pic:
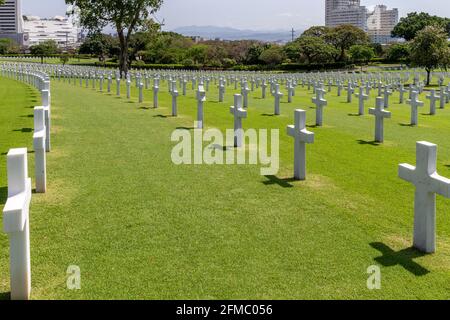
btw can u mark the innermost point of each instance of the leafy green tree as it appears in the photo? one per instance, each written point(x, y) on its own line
point(315, 49)
point(8, 46)
point(345, 36)
point(430, 49)
point(64, 58)
point(253, 53)
point(398, 52)
point(361, 53)
point(167, 47)
point(378, 49)
point(46, 48)
point(272, 56)
point(2, 2)
point(127, 16)
point(100, 45)
point(198, 54)
point(317, 31)
point(409, 26)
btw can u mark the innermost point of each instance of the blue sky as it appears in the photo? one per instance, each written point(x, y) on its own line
point(247, 14)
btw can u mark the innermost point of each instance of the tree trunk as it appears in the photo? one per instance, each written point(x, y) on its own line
point(428, 76)
point(123, 55)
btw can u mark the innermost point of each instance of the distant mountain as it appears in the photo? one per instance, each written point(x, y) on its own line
point(224, 33)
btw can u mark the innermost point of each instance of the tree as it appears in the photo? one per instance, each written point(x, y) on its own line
point(409, 26)
point(398, 52)
point(315, 49)
point(64, 58)
point(127, 16)
point(345, 36)
point(2, 2)
point(100, 45)
point(198, 53)
point(253, 54)
point(272, 56)
point(317, 31)
point(43, 49)
point(430, 50)
point(8, 46)
point(361, 53)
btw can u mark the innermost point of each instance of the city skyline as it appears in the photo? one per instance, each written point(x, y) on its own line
point(283, 14)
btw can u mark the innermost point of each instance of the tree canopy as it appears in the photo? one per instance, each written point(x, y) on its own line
point(127, 16)
point(430, 49)
point(409, 26)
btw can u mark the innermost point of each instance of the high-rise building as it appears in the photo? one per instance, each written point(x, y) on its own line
point(339, 12)
point(60, 29)
point(377, 23)
point(11, 22)
point(380, 24)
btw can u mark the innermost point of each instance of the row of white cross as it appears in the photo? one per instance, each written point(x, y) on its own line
point(16, 222)
point(17, 208)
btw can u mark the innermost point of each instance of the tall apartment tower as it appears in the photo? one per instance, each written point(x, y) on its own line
point(11, 21)
point(338, 12)
point(380, 24)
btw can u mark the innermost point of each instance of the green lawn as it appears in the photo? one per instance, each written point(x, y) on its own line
point(140, 227)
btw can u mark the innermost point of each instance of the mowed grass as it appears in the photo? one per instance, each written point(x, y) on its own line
point(140, 227)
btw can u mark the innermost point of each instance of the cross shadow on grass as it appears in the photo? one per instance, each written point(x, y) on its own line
point(407, 125)
point(371, 143)
point(282, 182)
point(268, 115)
point(354, 115)
point(185, 128)
point(28, 116)
point(24, 130)
point(404, 258)
point(4, 296)
point(3, 195)
point(162, 116)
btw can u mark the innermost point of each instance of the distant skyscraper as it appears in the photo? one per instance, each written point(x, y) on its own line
point(339, 12)
point(378, 23)
point(11, 22)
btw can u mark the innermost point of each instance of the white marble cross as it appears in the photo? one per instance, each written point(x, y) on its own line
point(402, 92)
point(174, 94)
point(118, 86)
point(350, 91)
point(245, 91)
point(302, 136)
point(414, 103)
point(40, 150)
point(361, 98)
point(221, 90)
point(428, 183)
point(320, 103)
point(155, 95)
point(263, 89)
point(128, 83)
point(141, 91)
point(239, 113)
point(379, 114)
point(433, 98)
point(277, 95)
point(16, 223)
point(290, 89)
point(442, 100)
point(386, 93)
point(201, 98)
